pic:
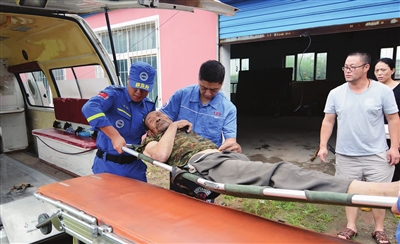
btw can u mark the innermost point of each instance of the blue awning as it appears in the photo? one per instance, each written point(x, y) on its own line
point(257, 17)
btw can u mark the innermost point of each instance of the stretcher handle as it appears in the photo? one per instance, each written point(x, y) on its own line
point(145, 158)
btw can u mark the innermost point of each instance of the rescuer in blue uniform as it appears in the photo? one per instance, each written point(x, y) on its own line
point(213, 116)
point(117, 114)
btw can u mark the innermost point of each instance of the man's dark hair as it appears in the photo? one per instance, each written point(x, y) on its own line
point(212, 71)
point(144, 122)
point(365, 57)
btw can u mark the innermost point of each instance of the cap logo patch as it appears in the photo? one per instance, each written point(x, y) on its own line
point(143, 76)
point(141, 86)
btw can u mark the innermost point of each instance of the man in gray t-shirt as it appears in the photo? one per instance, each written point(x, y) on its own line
point(359, 106)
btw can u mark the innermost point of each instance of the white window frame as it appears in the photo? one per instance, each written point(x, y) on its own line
point(132, 54)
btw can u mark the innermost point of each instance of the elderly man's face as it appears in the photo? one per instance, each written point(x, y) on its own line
point(157, 122)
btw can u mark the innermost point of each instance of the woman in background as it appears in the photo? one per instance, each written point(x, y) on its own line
point(384, 72)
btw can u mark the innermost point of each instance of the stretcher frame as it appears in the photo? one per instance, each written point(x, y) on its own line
point(262, 192)
point(76, 223)
point(106, 208)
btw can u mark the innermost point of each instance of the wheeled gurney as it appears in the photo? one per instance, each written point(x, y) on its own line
point(106, 208)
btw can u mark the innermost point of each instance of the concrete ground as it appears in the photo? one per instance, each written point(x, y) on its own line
point(293, 139)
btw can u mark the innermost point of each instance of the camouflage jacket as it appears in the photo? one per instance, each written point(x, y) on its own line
point(185, 146)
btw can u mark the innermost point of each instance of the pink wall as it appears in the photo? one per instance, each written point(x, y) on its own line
point(186, 40)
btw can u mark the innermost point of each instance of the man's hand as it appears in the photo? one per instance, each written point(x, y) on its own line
point(323, 152)
point(394, 208)
point(182, 124)
point(116, 139)
point(118, 142)
point(230, 144)
point(393, 156)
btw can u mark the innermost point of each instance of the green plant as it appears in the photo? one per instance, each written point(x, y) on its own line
point(228, 199)
point(305, 215)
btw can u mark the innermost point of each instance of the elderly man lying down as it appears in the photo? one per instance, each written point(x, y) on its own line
point(175, 144)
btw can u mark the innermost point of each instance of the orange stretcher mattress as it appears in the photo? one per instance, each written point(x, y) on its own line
point(144, 213)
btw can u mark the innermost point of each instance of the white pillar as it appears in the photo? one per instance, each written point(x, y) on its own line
point(224, 58)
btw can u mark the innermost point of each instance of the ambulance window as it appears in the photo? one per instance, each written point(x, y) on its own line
point(37, 90)
point(31, 86)
point(81, 81)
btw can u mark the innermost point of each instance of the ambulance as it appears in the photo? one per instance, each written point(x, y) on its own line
point(51, 63)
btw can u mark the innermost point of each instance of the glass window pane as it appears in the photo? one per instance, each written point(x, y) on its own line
point(106, 42)
point(387, 52)
point(305, 67)
point(123, 70)
point(80, 82)
point(120, 41)
point(37, 90)
point(245, 64)
point(235, 68)
point(321, 66)
point(142, 37)
point(234, 73)
point(89, 82)
point(289, 63)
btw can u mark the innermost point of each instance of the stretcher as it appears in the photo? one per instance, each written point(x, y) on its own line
point(106, 208)
point(262, 192)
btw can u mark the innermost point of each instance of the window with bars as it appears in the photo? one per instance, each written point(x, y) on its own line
point(133, 41)
point(307, 66)
point(236, 65)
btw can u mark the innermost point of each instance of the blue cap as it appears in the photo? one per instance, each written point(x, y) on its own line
point(141, 76)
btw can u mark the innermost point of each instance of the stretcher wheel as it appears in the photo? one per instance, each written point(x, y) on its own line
point(46, 229)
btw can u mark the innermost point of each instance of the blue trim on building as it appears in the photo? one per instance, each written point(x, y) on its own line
point(269, 16)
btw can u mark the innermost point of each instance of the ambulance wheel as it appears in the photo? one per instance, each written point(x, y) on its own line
point(46, 229)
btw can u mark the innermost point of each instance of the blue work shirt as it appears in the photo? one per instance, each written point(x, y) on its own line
point(114, 107)
point(215, 120)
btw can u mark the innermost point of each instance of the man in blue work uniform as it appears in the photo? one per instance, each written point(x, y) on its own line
point(213, 115)
point(117, 114)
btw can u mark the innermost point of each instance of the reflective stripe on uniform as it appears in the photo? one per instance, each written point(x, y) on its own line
point(119, 109)
point(95, 116)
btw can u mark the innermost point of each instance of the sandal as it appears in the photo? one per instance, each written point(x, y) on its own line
point(347, 234)
point(380, 237)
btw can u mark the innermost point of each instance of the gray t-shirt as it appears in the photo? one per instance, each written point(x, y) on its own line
point(360, 120)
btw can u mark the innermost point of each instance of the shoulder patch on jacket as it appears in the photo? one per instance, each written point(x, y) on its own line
point(103, 95)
